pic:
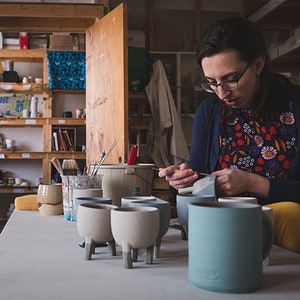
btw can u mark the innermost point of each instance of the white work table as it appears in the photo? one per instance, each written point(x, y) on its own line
point(40, 259)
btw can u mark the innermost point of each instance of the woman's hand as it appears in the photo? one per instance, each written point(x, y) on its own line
point(232, 182)
point(179, 177)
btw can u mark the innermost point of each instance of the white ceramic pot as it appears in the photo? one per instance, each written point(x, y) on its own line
point(82, 200)
point(135, 228)
point(126, 200)
point(94, 226)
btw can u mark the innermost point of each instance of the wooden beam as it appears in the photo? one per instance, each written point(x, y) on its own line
point(51, 10)
point(265, 10)
point(41, 17)
point(78, 25)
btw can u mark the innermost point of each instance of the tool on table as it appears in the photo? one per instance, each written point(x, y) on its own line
point(178, 170)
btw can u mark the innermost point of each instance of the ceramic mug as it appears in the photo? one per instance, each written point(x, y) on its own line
point(227, 245)
point(182, 202)
point(269, 212)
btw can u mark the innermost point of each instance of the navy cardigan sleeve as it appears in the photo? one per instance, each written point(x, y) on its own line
point(205, 149)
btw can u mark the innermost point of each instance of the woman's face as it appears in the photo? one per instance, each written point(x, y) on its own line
point(228, 66)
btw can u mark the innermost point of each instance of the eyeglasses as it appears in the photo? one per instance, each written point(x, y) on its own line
point(228, 85)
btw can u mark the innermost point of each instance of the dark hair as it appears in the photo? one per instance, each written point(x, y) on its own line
point(241, 35)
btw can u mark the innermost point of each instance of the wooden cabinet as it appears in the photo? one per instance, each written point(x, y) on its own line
point(107, 86)
point(34, 143)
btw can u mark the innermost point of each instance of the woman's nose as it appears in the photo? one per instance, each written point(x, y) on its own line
point(222, 93)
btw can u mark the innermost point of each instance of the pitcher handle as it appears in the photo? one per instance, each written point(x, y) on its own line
point(267, 235)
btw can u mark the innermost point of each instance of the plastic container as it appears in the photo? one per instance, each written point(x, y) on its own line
point(120, 180)
point(75, 182)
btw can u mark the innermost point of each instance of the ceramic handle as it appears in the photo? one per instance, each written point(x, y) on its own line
point(267, 235)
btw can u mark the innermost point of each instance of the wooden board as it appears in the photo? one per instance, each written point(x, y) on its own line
point(107, 87)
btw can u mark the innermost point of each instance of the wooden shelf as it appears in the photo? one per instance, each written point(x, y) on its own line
point(22, 88)
point(17, 122)
point(22, 155)
point(46, 122)
point(18, 189)
point(67, 121)
point(75, 92)
point(67, 154)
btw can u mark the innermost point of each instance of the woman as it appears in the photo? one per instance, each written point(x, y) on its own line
point(247, 133)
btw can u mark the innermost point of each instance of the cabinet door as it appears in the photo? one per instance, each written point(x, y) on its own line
point(107, 86)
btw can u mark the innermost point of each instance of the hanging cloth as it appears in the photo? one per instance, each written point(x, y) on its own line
point(169, 144)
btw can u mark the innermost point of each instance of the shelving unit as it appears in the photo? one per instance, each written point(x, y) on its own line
point(36, 135)
point(282, 15)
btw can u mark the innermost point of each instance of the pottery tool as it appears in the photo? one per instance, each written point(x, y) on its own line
point(70, 167)
point(178, 170)
point(57, 165)
point(204, 186)
point(104, 155)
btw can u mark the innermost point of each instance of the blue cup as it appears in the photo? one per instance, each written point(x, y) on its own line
point(227, 245)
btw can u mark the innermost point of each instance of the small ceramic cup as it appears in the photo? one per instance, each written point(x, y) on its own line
point(50, 199)
point(164, 219)
point(182, 202)
point(94, 226)
point(135, 228)
point(82, 200)
point(49, 193)
point(126, 200)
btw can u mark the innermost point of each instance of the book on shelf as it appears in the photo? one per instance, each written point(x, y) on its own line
point(62, 144)
point(55, 141)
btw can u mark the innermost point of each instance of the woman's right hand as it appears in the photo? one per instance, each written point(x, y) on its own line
point(179, 176)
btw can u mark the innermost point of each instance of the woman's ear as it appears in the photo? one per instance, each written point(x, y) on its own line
point(259, 64)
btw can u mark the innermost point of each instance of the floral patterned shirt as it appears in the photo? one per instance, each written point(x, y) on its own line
point(261, 145)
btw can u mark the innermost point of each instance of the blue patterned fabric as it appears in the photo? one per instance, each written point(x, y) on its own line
point(66, 70)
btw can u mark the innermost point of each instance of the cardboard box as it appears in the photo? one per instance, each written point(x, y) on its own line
point(23, 40)
point(62, 42)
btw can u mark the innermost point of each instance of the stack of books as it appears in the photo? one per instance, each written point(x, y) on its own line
point(64, 139)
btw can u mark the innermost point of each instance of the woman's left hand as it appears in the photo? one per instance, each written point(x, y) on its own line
point(231, 182)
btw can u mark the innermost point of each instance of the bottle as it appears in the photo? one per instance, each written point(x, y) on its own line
point(136, 191)
point(33, 107)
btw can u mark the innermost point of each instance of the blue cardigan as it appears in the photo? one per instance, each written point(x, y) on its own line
point(205, 149)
